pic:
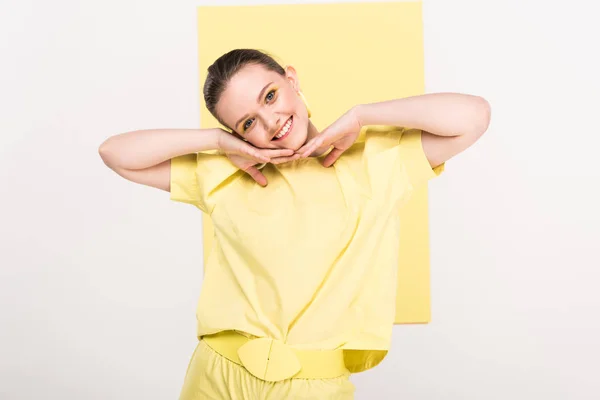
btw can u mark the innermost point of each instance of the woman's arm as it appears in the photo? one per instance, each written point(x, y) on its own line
point(450, 122)
point(142, 149)
point(144, 156)
point(441, 114)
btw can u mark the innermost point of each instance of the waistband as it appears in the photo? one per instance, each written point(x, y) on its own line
point(272, 360)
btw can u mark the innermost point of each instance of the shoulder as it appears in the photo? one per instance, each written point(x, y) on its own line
point(379, 138)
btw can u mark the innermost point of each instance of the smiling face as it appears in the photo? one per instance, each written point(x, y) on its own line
point(264, 108)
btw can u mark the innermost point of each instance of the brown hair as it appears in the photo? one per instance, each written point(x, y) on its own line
point(226, 66)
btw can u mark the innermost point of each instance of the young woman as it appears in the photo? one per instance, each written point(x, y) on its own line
point(299, 286)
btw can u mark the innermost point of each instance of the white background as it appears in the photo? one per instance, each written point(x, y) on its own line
point(99, 277)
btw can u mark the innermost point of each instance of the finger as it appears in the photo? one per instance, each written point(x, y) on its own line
point(302, 150)
point(306, 145)
point(257, 176)
point(272, 153)
point(311, 146)
point(281, 160)
point(332, 157)
point(254, 154)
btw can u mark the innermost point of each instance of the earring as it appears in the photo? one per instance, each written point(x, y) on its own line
point(305, 102)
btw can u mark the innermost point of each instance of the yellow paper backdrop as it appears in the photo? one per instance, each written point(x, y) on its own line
point(345, 54)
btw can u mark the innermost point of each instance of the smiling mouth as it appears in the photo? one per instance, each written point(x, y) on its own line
point(284, 131)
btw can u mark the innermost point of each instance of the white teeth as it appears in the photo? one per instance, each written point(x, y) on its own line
point(285, 129)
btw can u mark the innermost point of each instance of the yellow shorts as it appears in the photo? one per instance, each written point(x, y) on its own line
point(211, 376)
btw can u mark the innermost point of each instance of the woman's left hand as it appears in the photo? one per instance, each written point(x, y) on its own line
point(341, 135)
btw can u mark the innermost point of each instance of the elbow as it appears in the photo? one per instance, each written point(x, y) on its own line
point(104, 151)
point(483, 117)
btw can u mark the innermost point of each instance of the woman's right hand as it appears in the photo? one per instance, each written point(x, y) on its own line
point(245, 156)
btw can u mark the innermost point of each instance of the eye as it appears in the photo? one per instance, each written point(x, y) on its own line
point(268, 97)
point(246, 126)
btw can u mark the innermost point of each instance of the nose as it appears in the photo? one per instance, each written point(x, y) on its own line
point(272, 121)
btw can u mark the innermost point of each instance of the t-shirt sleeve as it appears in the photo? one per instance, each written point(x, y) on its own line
point(200, 179)
point(414, 160)
point(184, 184)
point(395, 162)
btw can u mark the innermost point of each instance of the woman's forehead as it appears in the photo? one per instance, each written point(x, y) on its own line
point(244, 90)
point(252, 77)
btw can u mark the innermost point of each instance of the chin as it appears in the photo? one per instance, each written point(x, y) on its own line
point(296, 145)
point(299, 138)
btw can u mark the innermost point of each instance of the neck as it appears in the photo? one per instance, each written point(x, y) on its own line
point(312, 131)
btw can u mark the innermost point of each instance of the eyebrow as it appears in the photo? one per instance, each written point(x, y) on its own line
point(260, 95)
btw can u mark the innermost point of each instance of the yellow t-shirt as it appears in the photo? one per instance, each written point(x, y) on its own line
point(312, 258)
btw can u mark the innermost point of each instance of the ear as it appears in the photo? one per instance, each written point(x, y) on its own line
point(292, 77)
